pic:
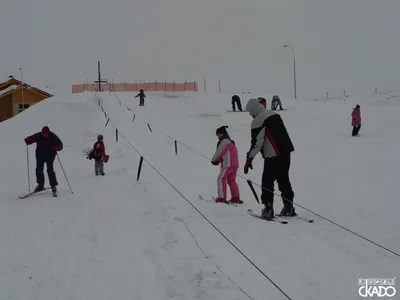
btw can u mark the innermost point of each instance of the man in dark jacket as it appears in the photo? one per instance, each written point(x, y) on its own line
point(270, 137)
point(236, 100)
point(47, 145)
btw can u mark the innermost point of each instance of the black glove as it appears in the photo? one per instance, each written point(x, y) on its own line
point(215, 163)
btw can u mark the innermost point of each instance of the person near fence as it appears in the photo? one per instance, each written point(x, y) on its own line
point(356, 120)
point(226, 155)
point(270, 137)
point(99, 156)
point(47, 146)
point(236, 100)
point(141, 96)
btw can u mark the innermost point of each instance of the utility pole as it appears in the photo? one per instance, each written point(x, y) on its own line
point(294, 70)
point(99, 81)
point(22, 90)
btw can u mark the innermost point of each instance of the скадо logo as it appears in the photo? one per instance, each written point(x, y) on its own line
point(377, 287)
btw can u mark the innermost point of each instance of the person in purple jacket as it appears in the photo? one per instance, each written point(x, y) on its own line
point(226, 155)
point(356, 120)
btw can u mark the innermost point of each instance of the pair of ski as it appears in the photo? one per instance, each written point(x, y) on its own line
point(33, 193)
point(279, 218)
point(214, 200)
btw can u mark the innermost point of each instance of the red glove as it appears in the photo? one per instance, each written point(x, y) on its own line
point(27, 140)
point(248, 165)
point(55, 148)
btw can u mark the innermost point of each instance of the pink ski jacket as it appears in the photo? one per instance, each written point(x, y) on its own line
point(355, 117)
point(226, 154)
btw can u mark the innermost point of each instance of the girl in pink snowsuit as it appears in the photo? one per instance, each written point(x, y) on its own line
point(226, 155)
point(356, 120)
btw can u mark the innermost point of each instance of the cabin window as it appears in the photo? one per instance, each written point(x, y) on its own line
point(23, 107)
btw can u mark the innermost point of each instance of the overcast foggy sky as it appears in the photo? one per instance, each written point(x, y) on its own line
point(339, 44)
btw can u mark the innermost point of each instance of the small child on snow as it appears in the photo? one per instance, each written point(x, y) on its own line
point(226, 155)
point(99, 155)
point(141, 96)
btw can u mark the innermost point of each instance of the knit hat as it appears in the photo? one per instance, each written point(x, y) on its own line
point(222, 130)
point(45, 130)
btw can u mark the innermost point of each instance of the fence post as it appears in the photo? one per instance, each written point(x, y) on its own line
point(140, 168)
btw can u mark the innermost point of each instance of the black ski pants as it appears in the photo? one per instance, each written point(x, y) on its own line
point(239, 105)
point(356, 129)
point(49, 161)
point(277, 168)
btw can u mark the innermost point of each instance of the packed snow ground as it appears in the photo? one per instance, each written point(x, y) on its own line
point(115, 238)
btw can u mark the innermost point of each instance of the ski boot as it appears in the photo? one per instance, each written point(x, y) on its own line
point(235, 200)
point(288, 211)
point(220, 200)
point(268, 213)
point(39, 188)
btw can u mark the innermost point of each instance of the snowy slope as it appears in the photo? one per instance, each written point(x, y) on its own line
point(122, 239)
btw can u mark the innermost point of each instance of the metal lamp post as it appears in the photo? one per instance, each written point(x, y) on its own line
point(294, 68)
point(22, 90)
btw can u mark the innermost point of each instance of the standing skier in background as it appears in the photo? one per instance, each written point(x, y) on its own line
point(263, 101)
point(226, 155)
point(99, 154)
point(47, 145)
point(270, 137)
point(236, 100)
point(276, 102)
point(356, 120)
point(141, 96)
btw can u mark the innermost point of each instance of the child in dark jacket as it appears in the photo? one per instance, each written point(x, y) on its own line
point(99, 153)
point(141, 96)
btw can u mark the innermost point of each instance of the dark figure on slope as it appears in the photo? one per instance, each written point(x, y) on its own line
point(270, 137)
point(47, 145)
point(356, 120)
point(141, 96)
point(276, 102)
point(99, 155)
point(236, 100)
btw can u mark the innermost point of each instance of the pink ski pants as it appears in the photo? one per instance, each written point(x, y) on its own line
point(228, 175)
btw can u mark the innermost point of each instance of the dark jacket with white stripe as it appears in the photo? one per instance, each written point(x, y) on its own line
point(268, 133)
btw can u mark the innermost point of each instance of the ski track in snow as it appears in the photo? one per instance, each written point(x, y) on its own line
point(116, 238)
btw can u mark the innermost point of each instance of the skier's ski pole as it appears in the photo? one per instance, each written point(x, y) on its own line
point(252, 189)
point(64, 173)
point(27, 161)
